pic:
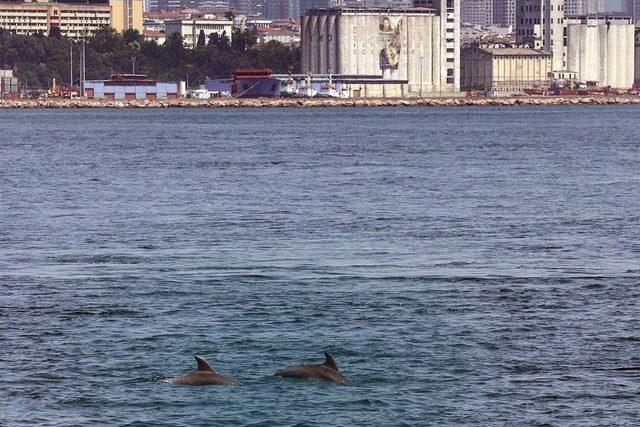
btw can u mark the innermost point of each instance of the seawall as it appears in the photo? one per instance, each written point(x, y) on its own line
point(320, 102)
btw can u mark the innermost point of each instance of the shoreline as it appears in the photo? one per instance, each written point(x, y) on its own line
point(319, 102)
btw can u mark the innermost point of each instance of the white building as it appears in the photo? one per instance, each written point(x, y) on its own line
point(600, 49)
point(73, 20)
point(540, 23)
point(190, 29)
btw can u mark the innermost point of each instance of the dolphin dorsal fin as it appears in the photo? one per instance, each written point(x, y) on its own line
point(329, 362)
point(203, 365)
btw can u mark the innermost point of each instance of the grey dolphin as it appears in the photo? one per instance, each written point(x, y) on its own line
point(204, 375)
point(327, 371)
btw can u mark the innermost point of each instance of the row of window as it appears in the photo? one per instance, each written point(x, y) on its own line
point(536, 8)
point(534, 21)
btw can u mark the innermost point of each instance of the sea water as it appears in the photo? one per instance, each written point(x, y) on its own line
point(472, 266)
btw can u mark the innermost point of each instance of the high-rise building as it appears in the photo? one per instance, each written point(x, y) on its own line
point(583, 7)
point(127, 14)
point(540, 23)
point(255, 8)
point(477, 12)
point(504, 12)
point(279, 9)
point(73, 19)
point(632, 8)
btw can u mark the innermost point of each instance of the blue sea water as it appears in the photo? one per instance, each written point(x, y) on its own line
point(473, 266)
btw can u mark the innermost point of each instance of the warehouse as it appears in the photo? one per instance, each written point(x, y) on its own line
point(129, 87)
point(504, 68)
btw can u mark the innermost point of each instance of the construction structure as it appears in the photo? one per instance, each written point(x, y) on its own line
point(501, 68)
point(396, 52)
point(600, 50)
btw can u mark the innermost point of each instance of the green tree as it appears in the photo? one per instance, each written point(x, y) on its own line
point(202, 39)
point(54, 32)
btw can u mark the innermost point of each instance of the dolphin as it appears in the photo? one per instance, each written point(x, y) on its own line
point(204, 375)
point(327, 371)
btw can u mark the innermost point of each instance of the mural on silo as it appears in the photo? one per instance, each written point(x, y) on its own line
point(390, 29)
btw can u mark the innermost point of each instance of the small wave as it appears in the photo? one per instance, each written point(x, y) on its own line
point(98, 259)
point(118, 312)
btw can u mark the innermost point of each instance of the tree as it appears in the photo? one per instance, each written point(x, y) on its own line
point(214, 39)
point(229, 16)
point(202, 39)
point(54, 32)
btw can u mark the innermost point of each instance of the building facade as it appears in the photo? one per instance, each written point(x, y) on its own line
point(601, 49)
point(73, 20)
point(280, 9)
point(477, 12)
point(128, 87)
point(632, 8)
point(583, 7)
point(190, 29)
point(504, 69)
point(127, 15)
point(504, 12)
point(540, 24)
point(408, 47)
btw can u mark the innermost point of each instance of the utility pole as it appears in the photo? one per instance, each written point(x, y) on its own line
point(83, 68)
point(421, 76)
point(71, 61)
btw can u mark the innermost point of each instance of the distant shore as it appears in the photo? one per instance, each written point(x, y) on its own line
point(320, 102)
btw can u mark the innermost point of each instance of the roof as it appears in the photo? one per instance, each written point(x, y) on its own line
point(371, 11)
point(277, 32)
point(502, 50)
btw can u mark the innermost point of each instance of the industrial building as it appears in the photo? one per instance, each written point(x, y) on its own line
point(386, 52)
point(600, 50)
point(502, 68)
point(9, 86)
point(190, 29)
point(73, 19)
point(128, 87)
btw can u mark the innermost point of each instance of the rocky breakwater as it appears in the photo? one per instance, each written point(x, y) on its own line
point(318, 102)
